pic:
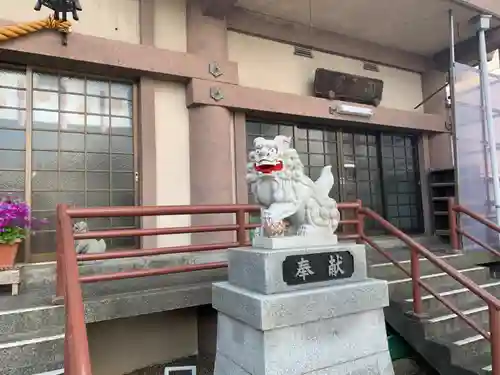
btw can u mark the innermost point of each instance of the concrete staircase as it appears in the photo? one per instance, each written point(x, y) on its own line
point(32, 327)
point(445, 341)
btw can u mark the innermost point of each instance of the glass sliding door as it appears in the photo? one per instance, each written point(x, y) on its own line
point(360, 172)
point(401, 182)
point(381, 169)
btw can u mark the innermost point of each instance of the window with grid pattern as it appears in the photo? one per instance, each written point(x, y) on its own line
point(316, 148)
point(401, 176)
point(80, 147)
point(380, 169)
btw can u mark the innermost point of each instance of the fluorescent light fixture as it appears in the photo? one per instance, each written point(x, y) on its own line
point(354, 110)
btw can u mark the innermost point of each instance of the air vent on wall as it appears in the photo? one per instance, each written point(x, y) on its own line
point(303, 51)
point(371, 67)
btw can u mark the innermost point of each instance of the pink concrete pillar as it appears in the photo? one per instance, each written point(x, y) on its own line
point(211, 130)
point(206, 36)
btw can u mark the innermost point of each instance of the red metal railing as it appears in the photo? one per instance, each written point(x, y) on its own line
point(77, 361)
point(456, 232)
point(418, 250)
point(456, 235)
point(68, 289)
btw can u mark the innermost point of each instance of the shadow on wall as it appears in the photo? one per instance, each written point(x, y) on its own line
point(121, 346)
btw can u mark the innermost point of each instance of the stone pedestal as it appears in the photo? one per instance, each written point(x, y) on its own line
point(301, 311)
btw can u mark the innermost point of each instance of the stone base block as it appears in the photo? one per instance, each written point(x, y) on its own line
point(376, 364)
point(290, 242)
point(261, 270)
point(301, 349)
point(265, 312)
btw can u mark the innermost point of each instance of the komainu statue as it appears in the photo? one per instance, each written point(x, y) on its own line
point(89, 246)
point(292, 204)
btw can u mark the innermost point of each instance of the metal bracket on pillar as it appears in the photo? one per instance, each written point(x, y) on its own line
point(481, 22)
point(216, 93)
point(215, 69)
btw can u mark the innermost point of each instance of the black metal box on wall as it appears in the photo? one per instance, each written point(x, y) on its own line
point(329, 84)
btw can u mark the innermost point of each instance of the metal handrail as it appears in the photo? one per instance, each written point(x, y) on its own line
point(76, 351)
point(68, 290)
point(426, 253)
point(453, 211)
point(77, 361)
point(493, 336)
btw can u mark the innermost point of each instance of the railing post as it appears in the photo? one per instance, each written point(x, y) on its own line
point(67, 352)
point(452, 217)
point(241, 233)
point(75, 330)
point(415, 278)
point(360, 226)
point(59, 259)
point(494, 315)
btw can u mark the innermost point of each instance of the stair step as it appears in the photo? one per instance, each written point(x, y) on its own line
point(481, 364)
point(440, 281)
point(391, 242)
point(49, 369)
point(149, 301)
point(31, 319)
point(471, 352)
point(465, 347)
point(109, 288)
point(31, 350)
point(53, 372)
point(448, 323)
point(460, 297)
point(41, 277)
point(388, 271)
point(401, 253)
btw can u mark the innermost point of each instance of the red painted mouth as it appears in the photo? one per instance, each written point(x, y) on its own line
point(269, 168)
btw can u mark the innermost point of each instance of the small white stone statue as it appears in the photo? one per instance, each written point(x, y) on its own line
point(292, 204)
point(88, 246)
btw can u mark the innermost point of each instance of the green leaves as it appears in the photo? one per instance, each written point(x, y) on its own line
point(11, 235)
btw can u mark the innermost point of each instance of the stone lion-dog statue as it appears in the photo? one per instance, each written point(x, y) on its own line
point(291, 203)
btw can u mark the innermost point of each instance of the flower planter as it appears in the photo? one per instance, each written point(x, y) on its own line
point(8, 254)
point(16, 223)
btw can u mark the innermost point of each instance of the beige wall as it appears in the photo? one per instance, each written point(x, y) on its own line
point(170, 25)
point(273, 66)
point(122, 345)
point(107, 20)
point(172, 156)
